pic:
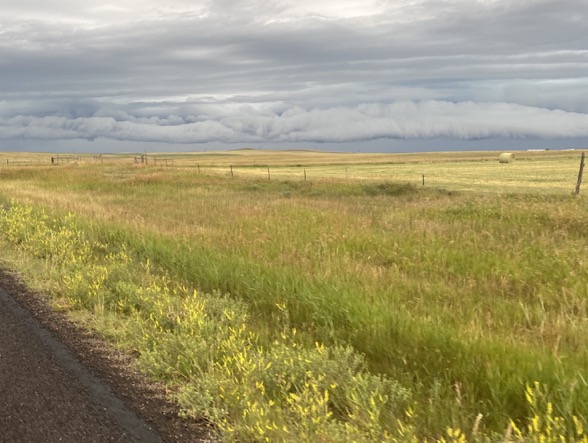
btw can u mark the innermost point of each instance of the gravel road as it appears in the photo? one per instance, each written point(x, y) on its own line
point(61, 384)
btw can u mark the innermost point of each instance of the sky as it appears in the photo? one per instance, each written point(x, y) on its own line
point(352, 75)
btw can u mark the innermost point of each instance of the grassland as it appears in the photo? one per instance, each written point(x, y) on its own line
point(464, 290)
point(535, 172)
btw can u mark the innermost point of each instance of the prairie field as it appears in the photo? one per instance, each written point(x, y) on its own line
point(432, 295)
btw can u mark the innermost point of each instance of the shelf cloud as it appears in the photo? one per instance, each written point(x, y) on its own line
point(282, 71)
point(282, 123)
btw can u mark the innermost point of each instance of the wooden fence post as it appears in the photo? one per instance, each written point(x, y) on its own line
point(232, 175)
point(580, 174)
point(269, 178)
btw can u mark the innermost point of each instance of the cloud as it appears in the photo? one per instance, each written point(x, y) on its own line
point(282, 123)
point(283, 70)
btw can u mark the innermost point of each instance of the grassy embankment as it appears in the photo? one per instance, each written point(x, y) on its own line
point(461, 297)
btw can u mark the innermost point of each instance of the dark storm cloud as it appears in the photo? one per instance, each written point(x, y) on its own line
point(251, 71)
point(283, 123)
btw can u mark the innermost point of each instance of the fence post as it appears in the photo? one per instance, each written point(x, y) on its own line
point(423, 179)
point(304, 174)
point(231, 166)
point(580, 174)
point(269, 178)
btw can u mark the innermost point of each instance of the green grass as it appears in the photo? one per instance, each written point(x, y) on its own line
point(463, 297)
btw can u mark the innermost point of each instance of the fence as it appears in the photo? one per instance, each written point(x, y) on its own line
point(542, 174)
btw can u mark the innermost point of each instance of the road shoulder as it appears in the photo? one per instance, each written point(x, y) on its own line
point(133, 404)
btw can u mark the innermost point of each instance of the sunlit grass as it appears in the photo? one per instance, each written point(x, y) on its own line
point(484, 290)
point(553, 172)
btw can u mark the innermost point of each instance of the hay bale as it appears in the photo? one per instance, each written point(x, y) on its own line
point(506, 157)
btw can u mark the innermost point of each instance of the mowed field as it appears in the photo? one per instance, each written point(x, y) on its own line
point(465, 291)
point(541, 171)
point(535, 171)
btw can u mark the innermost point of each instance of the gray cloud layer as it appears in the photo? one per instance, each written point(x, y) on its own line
point(282, 123)
point(251, 71)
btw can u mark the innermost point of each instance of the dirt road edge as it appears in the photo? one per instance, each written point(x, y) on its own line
point(102, 369)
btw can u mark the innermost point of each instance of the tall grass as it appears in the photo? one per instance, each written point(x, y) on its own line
point(463, 298)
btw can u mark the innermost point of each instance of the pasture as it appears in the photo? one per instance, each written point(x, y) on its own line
point(464, 290)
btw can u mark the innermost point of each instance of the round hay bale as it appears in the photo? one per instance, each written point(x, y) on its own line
point(506, 157)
